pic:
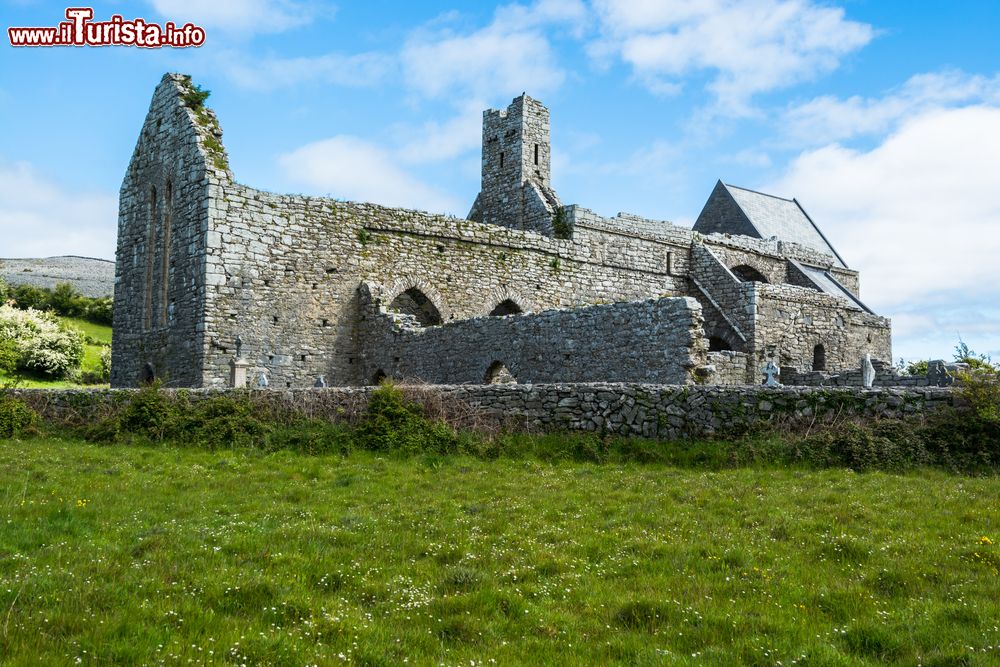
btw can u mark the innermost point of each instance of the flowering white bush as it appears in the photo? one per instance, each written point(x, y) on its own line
point(40, 343)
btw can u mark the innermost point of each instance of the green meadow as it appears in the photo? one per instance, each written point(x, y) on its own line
point(159, 554)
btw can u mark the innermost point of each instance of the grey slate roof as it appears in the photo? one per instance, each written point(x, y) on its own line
point(827, 283)
point(784, 218)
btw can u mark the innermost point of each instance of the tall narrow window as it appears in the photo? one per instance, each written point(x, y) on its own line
point(150, 252)
point(536, 153)
point(819, 358)
point(501, 159)
point(168, 213)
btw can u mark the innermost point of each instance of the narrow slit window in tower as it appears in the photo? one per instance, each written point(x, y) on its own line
point(501, 159)
point(536, 153)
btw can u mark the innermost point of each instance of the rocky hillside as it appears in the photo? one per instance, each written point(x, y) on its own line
point(92, 277)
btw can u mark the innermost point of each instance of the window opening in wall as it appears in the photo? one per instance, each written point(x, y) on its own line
point(748, 274)
point(716, 344)
point(536, 153)
point(501, 159)
point(150, 252)
point(819, 358)
point(498, 373)
point(506, 307)
point(415, 303)
point(168, 212)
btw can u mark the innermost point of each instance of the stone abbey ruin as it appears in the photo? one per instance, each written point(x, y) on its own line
point(525, 290)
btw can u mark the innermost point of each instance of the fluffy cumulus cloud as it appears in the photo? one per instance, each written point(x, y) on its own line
point(238, 15)
point(510, 54)
point(38, 218)
point(829, 118)
point(351, 168)
point(918, 215)
point(746, 46)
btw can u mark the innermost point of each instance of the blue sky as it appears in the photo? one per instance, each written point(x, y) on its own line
point(882, 118)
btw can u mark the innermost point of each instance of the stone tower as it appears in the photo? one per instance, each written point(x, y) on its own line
point(516, 189)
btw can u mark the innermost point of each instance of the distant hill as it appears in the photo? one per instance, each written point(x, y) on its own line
point(92, 277)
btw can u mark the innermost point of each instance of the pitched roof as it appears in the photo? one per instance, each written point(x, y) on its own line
point(784, 218)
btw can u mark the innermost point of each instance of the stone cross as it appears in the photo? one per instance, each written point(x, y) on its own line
point(867, 371)
point(771, 371)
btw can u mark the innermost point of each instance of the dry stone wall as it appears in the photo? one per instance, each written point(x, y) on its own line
point(656, 411)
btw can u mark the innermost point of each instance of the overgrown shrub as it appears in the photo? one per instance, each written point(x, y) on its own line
point(393, 424)
point(15, 417)
point(40, 343)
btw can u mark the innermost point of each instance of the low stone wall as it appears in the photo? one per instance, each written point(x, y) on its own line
point(664, 411)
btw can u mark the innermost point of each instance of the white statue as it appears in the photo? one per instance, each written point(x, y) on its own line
point(262, 381)
point(867, 371)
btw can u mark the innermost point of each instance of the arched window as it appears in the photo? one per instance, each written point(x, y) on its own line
point(819, 358)
point(168, 213)
point(748, 274)
point(414, 302)
point(497, 373)
point(150, 258)
point(506, 307)
point(716, 344)
point(379, 377)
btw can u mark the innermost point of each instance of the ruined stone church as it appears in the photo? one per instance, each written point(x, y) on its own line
point(526, 289)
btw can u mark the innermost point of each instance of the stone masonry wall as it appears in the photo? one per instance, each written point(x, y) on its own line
point(160, 297)
point(661, 411)
point(641, 341)
point(284, 271)
point(793, 321)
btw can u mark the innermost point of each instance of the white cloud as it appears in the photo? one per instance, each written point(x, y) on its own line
point(918, 215)
point(829, 118)
point(358, 70)
point(351, 168)
point(238, 15)
point(38, 218)
point(434, 141)
point(510, 55)
point(751, 46)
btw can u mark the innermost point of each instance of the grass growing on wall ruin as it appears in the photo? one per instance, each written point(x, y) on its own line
point(137, 554)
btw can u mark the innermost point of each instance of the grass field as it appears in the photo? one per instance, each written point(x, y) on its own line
point(91, 358)
point(164, 555)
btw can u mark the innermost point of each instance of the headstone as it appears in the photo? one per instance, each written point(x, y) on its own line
point(771, 371)
point(938, 375)
point(262, 380)
point(238, 372)
point(867, 371)
point(320, 381)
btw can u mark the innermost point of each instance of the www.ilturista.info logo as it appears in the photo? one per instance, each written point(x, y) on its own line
point(81, 30)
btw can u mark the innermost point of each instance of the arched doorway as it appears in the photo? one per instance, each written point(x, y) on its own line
point(748, 274)
point(716, 344)
point(498, 373)
point(506, 307)
point(379, 377)
point(414, 302)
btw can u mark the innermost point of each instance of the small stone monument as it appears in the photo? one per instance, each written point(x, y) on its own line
point(262, 380)
point(867, 371)
point(238, 367)
point(771, 371)
point(320, 381)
